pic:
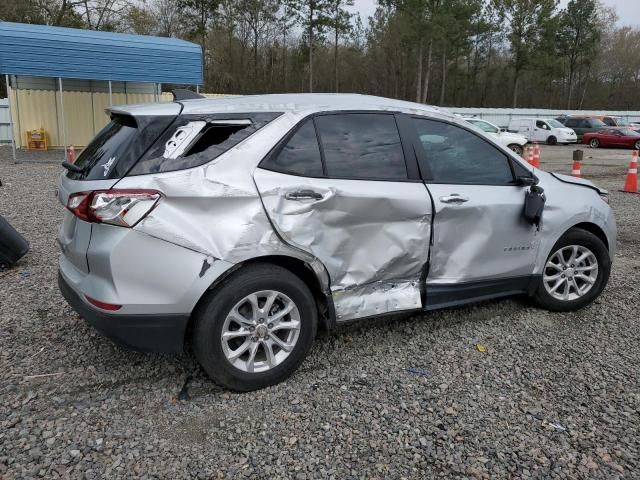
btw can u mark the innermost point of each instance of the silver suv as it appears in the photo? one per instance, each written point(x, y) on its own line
point(241, 225)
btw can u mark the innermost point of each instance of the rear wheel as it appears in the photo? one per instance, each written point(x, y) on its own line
point(637, 145)
point(594, 143)
point(552, 140)
point(576, 272)
point(516, 148)
point(256, 329)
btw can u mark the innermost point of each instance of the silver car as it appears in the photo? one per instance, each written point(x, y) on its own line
point(242, 225)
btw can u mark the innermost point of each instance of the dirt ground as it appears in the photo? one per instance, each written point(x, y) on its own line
point(554, 395)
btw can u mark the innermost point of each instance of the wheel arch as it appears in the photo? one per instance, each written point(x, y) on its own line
point(594, 229)
point(301, 269)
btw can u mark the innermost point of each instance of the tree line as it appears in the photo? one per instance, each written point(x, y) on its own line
point(480, 53)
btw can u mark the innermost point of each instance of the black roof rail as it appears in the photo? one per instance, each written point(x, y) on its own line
point(184, 94)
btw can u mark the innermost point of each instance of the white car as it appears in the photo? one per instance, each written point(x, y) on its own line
point(548, 130)
point(513, 141)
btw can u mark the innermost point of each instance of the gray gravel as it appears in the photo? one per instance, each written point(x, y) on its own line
point(554, 395)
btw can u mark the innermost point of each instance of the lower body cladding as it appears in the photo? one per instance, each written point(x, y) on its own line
point(153, 285)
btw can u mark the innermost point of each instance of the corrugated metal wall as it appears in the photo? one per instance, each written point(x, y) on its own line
point(36, 104)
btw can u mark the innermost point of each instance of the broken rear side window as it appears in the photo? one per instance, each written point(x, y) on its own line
point(195, 140)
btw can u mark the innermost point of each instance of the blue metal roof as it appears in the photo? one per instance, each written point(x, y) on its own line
point(43, 51)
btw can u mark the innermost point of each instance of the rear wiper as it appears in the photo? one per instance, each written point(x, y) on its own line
point(73, 168)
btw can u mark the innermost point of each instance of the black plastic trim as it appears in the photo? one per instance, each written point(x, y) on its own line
point(146, 333)
point(450, 295)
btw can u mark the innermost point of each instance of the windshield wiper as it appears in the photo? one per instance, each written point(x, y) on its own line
point(73, 168)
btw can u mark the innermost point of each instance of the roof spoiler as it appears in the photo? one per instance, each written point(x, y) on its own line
point(184, 94)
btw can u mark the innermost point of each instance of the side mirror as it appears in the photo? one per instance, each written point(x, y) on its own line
point(527, 181)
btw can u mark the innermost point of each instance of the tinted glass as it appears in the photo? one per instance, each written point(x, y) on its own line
point(361, 145)
point(596, 123)
point(105, 149)
point(214, 139)
point(456, 155)
point(572, 122)
point(609, 121)
point(541, 124)
point(301, 154)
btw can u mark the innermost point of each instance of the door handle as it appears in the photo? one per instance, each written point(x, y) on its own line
point(454, 198)
point(303, 195)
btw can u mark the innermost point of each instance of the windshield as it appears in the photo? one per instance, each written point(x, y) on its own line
point(629, 132)
point(554, 123)
point(485, 126)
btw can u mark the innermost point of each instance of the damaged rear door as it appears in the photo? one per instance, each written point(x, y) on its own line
point(482, 244)
point(339, 187)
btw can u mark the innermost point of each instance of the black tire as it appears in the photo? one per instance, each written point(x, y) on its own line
point(212, 311)
point(516, 148)
point(594, 143)
point(577, 236)
point(552, 140)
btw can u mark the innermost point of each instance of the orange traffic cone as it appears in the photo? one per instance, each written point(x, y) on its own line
point(535, 161)
point(72, 154)
point(575, 169)
point(631, 184)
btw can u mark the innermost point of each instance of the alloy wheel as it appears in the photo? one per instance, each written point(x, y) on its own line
point(260, 331)
point(570, 272)
point(516, 148)
point(594, 143)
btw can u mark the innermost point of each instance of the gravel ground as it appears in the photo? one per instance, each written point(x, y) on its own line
point(554, 395)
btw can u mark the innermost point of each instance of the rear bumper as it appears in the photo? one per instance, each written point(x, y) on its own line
point(149, 333)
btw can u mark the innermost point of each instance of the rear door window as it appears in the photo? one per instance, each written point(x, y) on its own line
point(361, 146)
point(300, 155)
point(195, 140)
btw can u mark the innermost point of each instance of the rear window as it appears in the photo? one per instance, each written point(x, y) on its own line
point(195, 140)
point(117, 147)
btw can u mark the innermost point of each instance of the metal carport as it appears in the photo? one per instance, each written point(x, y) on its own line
point(91, 61)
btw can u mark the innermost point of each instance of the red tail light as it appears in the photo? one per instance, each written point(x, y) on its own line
point(103, 305)
point(122, 207)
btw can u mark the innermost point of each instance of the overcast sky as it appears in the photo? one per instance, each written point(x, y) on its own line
point(628, 10)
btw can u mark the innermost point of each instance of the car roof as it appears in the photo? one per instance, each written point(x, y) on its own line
point(286, 103)
point(595, 117)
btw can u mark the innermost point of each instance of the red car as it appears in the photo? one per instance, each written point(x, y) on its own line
point(613, 137)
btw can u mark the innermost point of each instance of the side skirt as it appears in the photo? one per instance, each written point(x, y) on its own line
point(454, 294)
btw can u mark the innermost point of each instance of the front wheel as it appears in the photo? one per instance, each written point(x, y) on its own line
point(256, 329)
point(552, 140)
point(576, 272)
point(516, 148)
point(594, 143)
point(637, 145)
